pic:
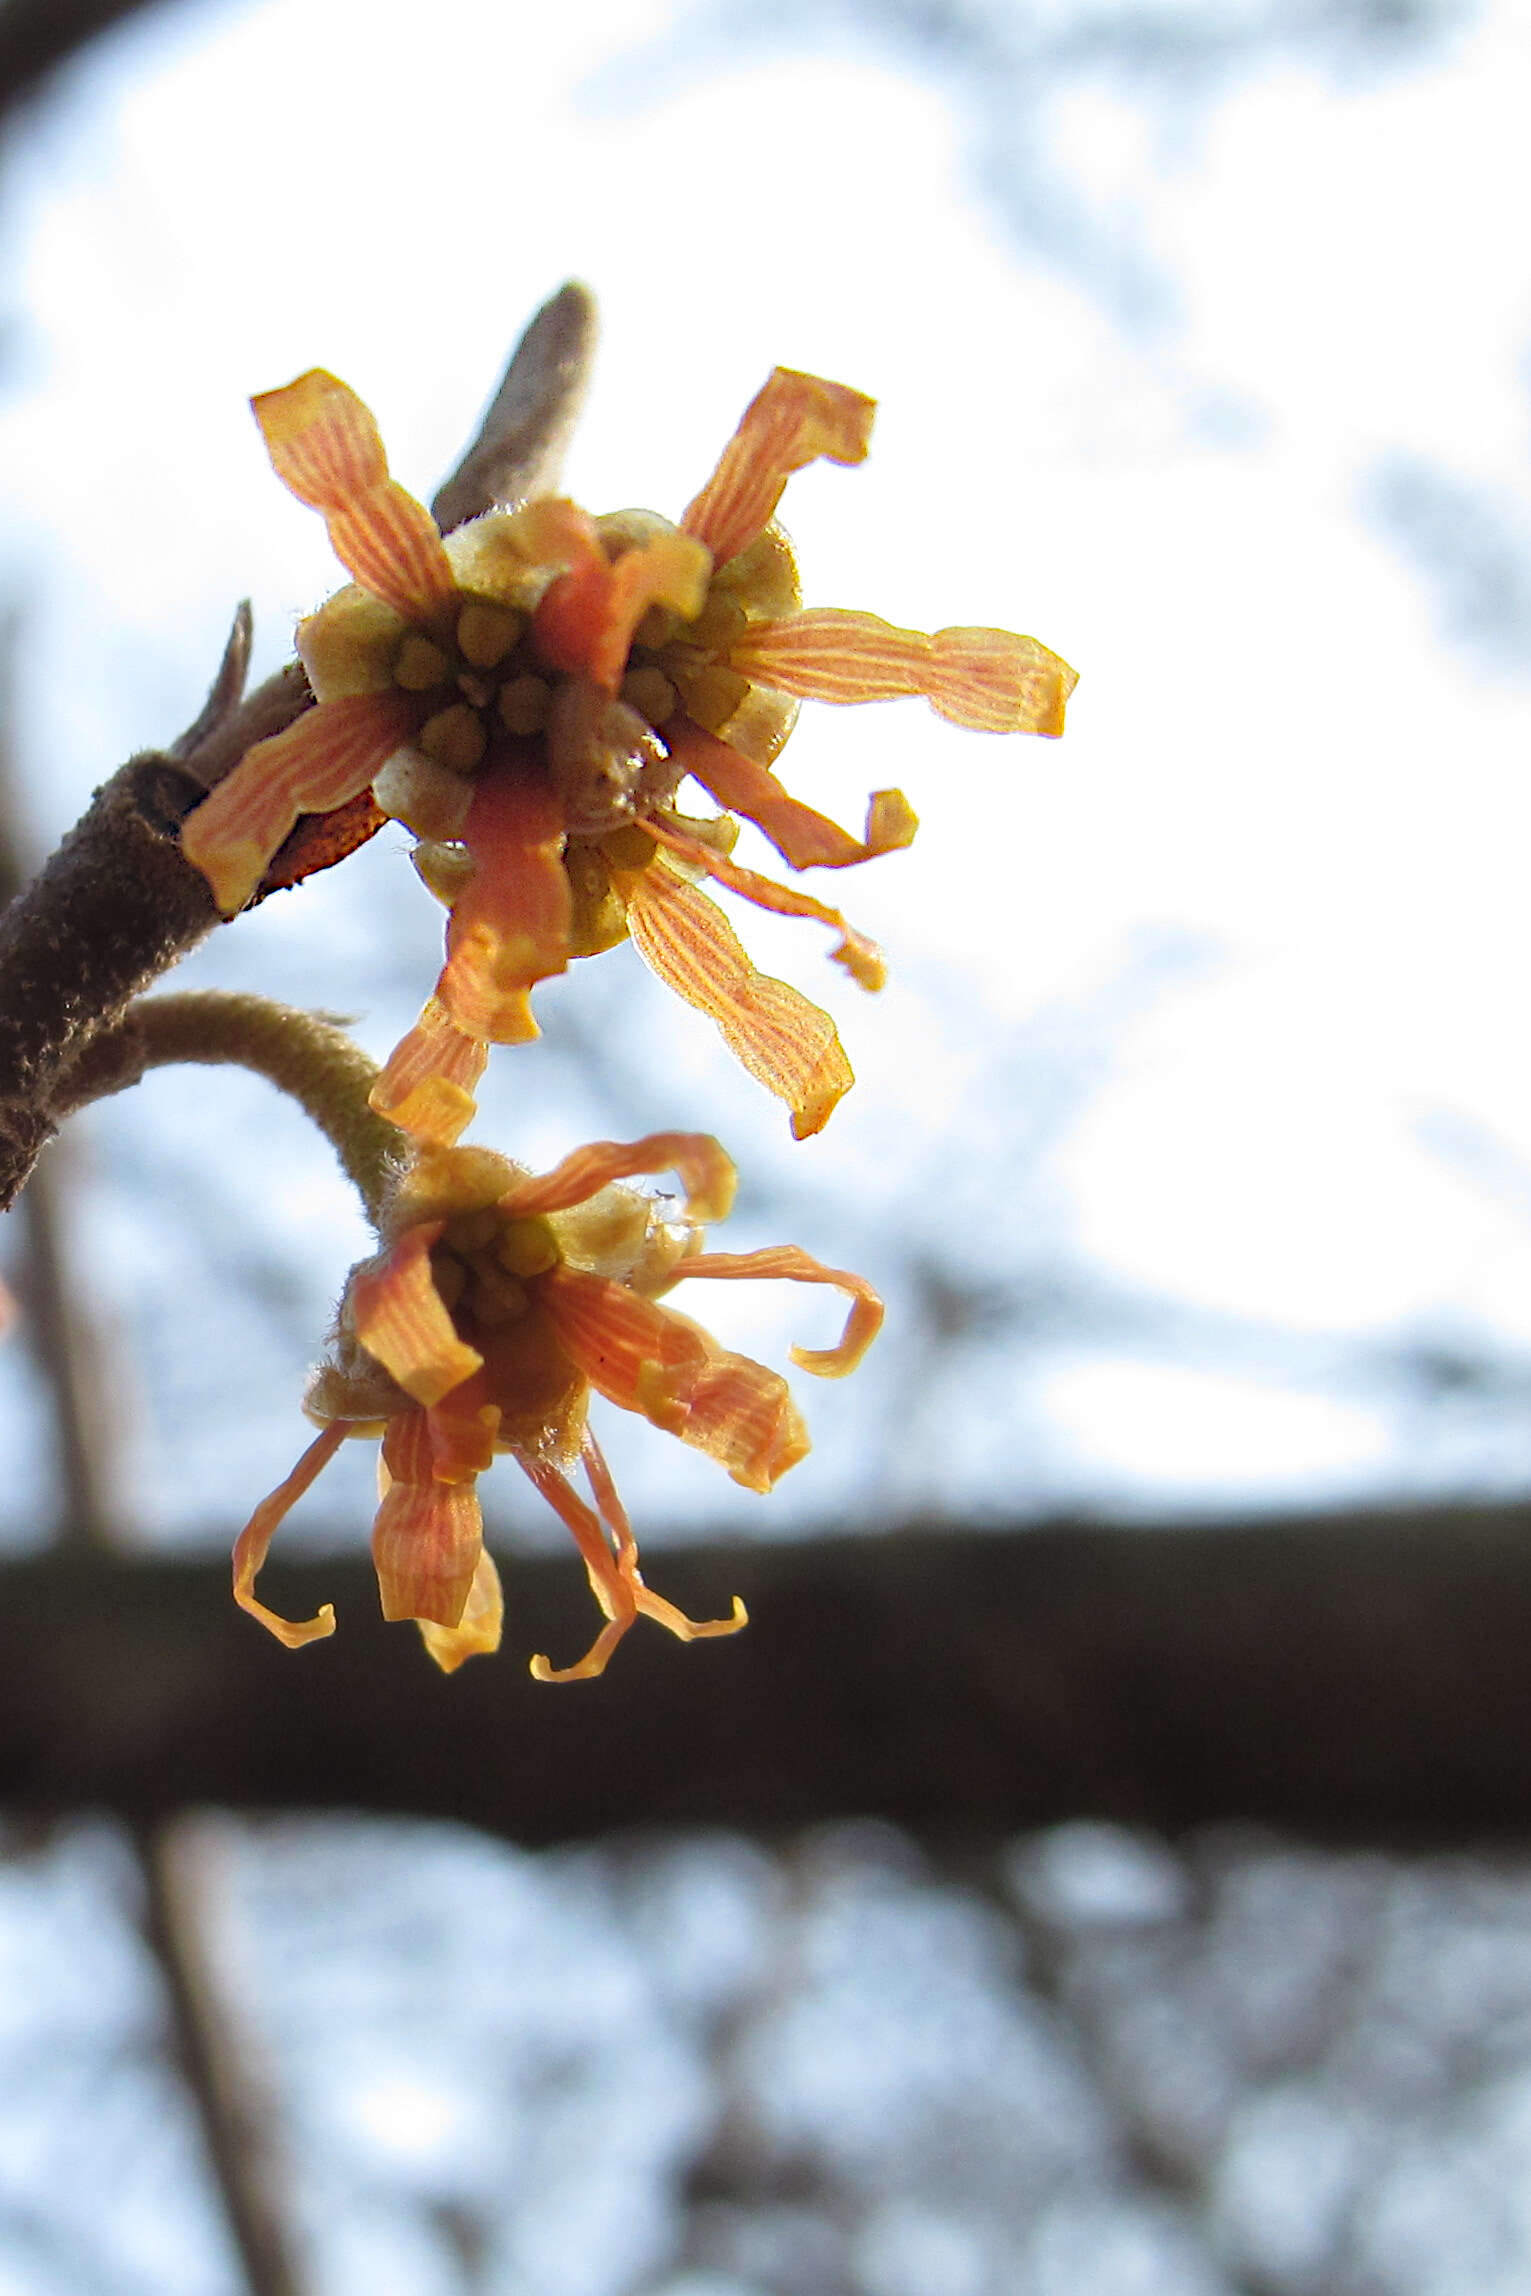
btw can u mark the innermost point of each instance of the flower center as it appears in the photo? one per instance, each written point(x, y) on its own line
point(482, 1263)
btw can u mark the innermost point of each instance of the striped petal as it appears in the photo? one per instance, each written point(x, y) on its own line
point(797, 1266)
point(990, 680)
point(329, 756)
point(634, 1352)
point(324, 447)
point(860, 955)
point(792, 420)
point(477, 1632)
point(787, 1044)
point(397, 1314)
point(804, 838)
point(615, 1579)
point(254, 1543)
point(705, 1172)
point(742, 1414)
point(509, 926)
point(463, 1426)
point(647, 1359)
point(427, 1536)
point(427, 1085)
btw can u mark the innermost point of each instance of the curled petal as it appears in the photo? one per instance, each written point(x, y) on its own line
point(806, 839)
point(615, 1580)
point(705, 1172)
point(427, 1085)
point(787, 1260)
point(860, 955)
point(742, 1414)
point(477, 1632)
point(428, 1535)
point(254, 1542)
point(509, 925)
point(792, 420)
point(330, 755)
point(324, 447)
point(789, 1045)
point(650, 1360)
point(990, 680)
point(398, 1316)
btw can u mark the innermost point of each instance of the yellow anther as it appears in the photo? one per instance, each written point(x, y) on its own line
point(650, 693)
point(658, 627)
point(524, 705)
point(495, 1296)
point(628, 848)
point(419, 665)
point(527, 1247)
point(455, 738)
point(720, 621)
point(469, 1232)
point(487, 631)
point(712, 694)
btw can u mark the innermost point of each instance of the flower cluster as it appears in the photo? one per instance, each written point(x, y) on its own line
point(533, 695)
point(530, 693)
point(498, 1302)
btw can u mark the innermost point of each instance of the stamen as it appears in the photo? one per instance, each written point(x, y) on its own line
point(419, 665)
point(649, 692)
point(454, 737)
point(487, 631)
point(712, 694)
point(496, 1297)
point(524, 704)
point(527, 1247)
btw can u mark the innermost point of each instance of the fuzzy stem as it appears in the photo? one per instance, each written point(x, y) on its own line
point(302, 1053)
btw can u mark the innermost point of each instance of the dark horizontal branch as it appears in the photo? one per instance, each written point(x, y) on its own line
point(1354, 1677)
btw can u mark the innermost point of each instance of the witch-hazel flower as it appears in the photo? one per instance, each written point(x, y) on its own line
point(530, 693)
point(499, 1301)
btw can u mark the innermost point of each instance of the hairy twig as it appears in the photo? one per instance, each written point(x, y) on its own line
point(522, 440)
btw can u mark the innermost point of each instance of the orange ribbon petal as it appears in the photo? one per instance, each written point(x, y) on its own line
point(704, 1170)
point(427, 1536)
point(463, 1426)
point(586, 620)
point(647, 1359)
point(324, 447)
point(332, 753)
point(804, 838)
point(615, 1580)
point(742, 1414)
point(254, 1543)
point(399, 1318)
point(790, 1262)
point(509, 926)
point(427, 1086)
point(860, 955)
point(989, 680)
point(477, 1632)
point(634, 1352)
point(789, 1045)
point(792, 420)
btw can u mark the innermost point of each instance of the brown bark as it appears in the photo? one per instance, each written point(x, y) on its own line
point(1362, 1677)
